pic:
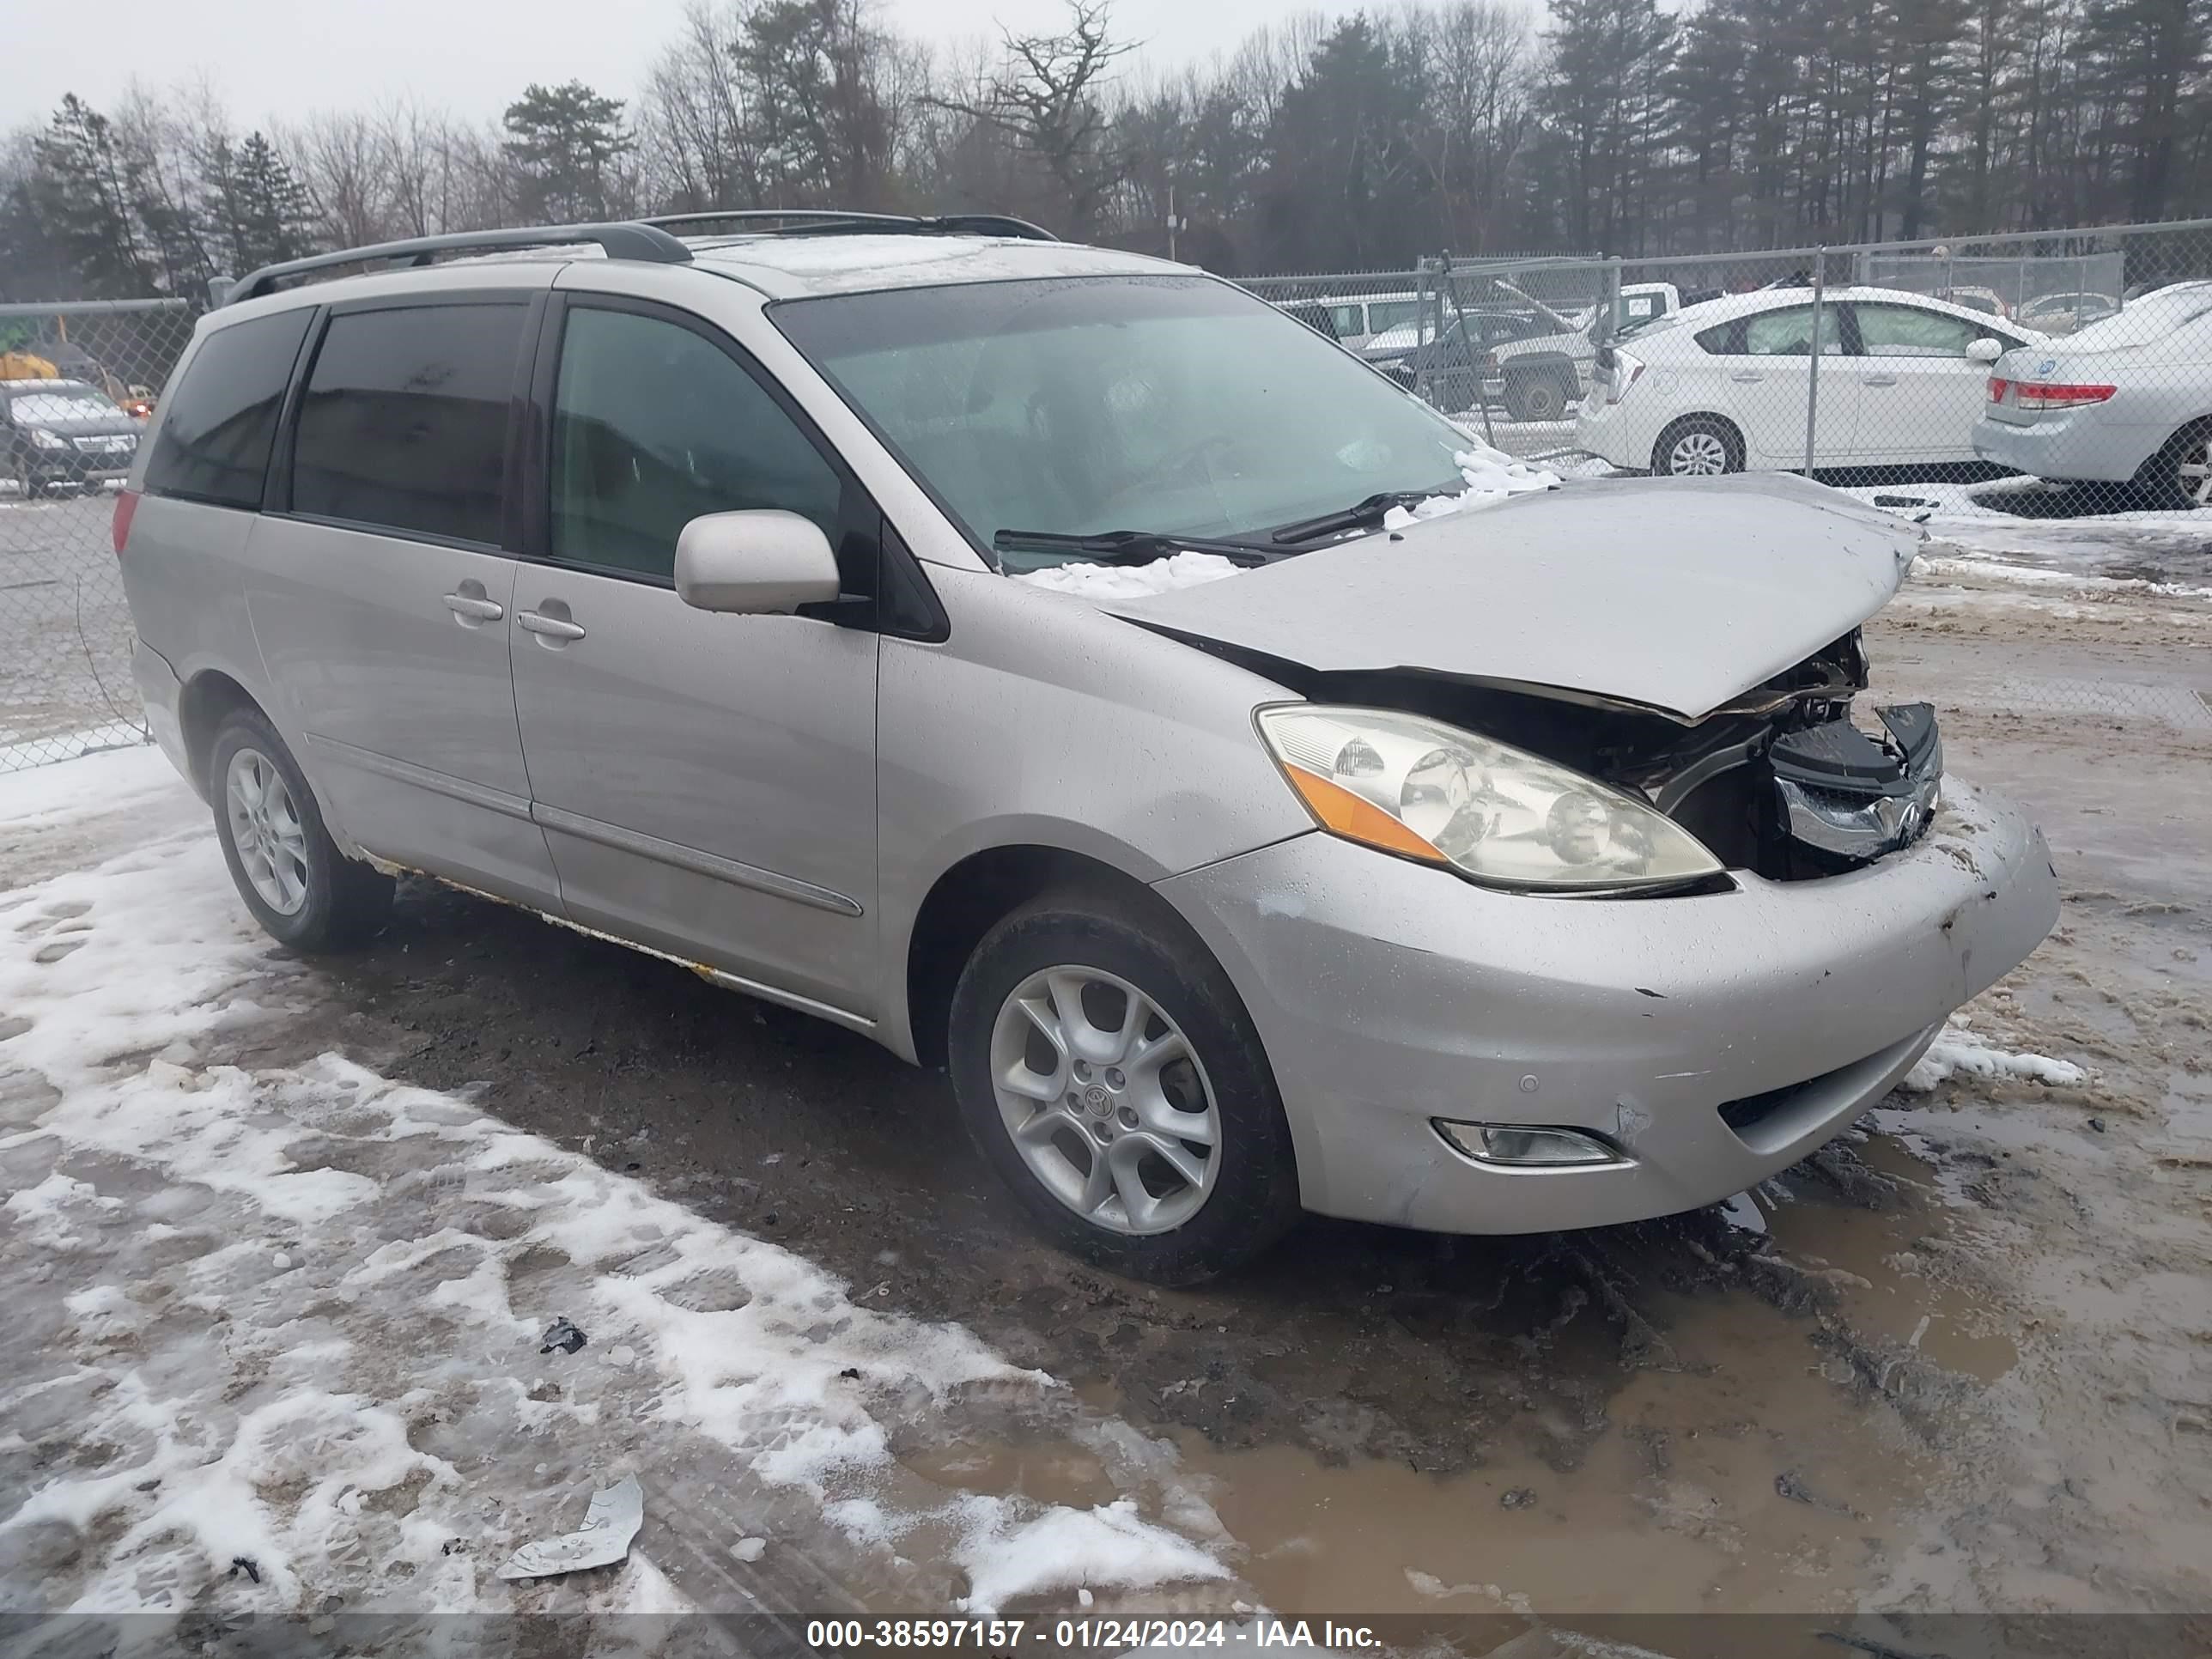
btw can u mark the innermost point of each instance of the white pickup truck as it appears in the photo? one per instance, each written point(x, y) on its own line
point(1546, 372)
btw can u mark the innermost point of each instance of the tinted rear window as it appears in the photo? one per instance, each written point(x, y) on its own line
point(403, 426)
point(219, 419)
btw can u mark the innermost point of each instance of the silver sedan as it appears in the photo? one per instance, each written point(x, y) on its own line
point(2125, 401)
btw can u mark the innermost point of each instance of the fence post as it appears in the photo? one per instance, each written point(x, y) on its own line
point(1812, 379)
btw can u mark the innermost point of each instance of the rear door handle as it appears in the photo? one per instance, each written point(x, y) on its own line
point(474, 608)
point(1878, 380)
point(553, 628)
point(1747, 376)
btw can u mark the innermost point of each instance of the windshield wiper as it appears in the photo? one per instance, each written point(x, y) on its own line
point(1360, 514)
point(1128, 546)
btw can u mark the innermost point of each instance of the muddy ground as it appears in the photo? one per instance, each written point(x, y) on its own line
point(1967, 1366)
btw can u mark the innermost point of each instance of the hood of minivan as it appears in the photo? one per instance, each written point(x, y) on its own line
point(1674, 595)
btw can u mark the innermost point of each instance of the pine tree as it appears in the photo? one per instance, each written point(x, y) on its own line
point(564, 141)
point(80, 190)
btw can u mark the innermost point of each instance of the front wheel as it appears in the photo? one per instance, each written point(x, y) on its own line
point(27, 483)
point(303, 891)
point(1114, 1080)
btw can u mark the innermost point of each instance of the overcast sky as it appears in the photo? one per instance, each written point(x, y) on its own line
point(282, 59)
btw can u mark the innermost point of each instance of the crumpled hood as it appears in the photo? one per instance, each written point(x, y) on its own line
point(1676, 595)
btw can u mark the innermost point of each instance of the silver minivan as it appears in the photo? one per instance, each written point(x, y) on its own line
point(1068, 670)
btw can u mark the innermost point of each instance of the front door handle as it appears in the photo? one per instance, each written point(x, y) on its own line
point(1878, 380)
point(552, 628)
point(1747, 376)
point(474, 607)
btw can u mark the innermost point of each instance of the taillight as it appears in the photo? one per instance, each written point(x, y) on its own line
point(1998, 385)
point(1627, 370)
point(126, 508)
point(2053, 394)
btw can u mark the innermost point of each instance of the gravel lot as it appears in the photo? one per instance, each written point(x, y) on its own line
point(1956, 1362)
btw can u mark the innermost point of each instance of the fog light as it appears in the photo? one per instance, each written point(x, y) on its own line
point(1526, 1145)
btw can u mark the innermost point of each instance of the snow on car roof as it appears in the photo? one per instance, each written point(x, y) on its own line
point(788, 266)
point(1708, 311)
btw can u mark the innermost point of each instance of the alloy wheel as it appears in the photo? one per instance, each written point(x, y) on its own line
point(2192, 470)
point(1698, 454)
point(266, 830)
point(1105, 1100)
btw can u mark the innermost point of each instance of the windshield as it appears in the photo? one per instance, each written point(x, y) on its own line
point(60, 402)
point(1075, 406)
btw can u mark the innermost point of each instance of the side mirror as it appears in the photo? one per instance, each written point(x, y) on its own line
point(1985, 350)
point(755, 563)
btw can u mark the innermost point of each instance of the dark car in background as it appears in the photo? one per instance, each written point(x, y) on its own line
point(62, 433)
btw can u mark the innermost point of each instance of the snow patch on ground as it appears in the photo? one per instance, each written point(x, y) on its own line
point(291, 1314)
point(1958, 1050)
point(1064, 1549)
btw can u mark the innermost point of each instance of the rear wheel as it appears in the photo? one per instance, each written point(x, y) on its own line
point(303, 891)
point(1698, 447)
point(1114, 1080)
point(1541, 397)
point(2181, 473)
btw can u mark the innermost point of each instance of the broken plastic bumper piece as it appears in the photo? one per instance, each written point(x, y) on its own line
point(1851, 798)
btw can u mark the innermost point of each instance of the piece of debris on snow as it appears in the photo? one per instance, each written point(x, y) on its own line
point(1132, 581)
point(613, 1520)
point(750, 1549)
point(561, 1334)
point(1957, 1049)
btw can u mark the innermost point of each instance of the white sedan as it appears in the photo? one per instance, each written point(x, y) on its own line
point(1724, 386)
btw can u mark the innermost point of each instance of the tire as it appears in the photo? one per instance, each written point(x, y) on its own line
point(1539, 397)
point(1697, 439)
point(304, 892)
point(1246, 1193)
point(2180, 475)
point(27, 484)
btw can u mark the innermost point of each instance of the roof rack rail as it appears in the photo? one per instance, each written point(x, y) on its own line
point(832, 221)
point(629, 241)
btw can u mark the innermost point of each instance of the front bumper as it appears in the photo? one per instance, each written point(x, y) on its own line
point(1389, 995)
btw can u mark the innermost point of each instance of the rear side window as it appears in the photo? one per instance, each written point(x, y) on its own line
point(654, 426)
point(219, 420)
point(403, 426)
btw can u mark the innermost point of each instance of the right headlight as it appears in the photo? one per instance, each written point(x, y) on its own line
point(1498, 814)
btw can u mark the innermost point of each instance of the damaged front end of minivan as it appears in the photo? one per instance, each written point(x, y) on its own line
point(1699, 650)
point(1780, 781)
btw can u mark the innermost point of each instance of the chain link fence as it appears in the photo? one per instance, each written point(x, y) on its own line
point(2055, 375)
point(2044, 398)
point(2058, 384)
point(77, 383)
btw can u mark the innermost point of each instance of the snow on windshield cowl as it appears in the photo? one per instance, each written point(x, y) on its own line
point(1492, 477)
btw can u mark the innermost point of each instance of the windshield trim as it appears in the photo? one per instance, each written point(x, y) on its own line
point(979, 538)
